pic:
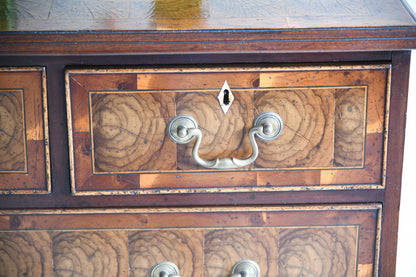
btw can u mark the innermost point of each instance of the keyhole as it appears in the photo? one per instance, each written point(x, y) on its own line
point(226, 99)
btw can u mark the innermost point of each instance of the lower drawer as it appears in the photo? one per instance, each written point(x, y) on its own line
point(283, 241)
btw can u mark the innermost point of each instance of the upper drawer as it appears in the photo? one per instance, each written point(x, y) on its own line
point(24, 143)
point(332, 128)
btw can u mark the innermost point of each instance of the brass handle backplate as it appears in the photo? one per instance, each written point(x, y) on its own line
point(184, 128)
point(245, 268)
point(164, 269)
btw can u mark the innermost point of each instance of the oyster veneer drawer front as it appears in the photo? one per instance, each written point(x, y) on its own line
point(24, 143)
point(332, 128)
point(283, 241)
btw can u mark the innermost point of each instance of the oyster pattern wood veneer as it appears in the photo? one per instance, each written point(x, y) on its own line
point(12, 132)
point(307, 241)
point(24, 136)
point(118, 126)
point(128, 131)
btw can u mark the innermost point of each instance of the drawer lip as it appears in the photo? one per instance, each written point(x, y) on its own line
point(210, 41)
point(318, 187)
point(224, 69)
point(196, 209)
point(43, 98)
point(104, 192)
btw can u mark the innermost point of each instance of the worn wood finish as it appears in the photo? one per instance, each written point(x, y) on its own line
point(12, 132)
point(122, 133)
point(124, 144)
point(24, 137)
point(279, 41)
point(350, 112)
point(179, 246)
point(224, 247)
point(223, 135)
point(47, 15)
point(200, 241)
point(100, 253)
point(213, 34)
point(174, 26)
point(329, 251)
point(25, 254)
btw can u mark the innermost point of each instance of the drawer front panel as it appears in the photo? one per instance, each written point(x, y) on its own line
point(24, 150)
point(289, 241)
point(333, 121)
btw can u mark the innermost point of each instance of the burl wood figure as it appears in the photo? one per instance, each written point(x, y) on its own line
point(92, 183)
point(333, 127)
point(130, 242)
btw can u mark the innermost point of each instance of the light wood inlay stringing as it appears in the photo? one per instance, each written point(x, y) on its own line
point(287, 241)
point(333, 119)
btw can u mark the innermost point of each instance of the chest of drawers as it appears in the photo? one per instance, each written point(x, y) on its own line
point(267, 135)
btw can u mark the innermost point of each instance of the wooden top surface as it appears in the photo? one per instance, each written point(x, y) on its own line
point(221, 17)
point(62, 15)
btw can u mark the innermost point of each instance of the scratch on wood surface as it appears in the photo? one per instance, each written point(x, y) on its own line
point(215, 136)
point(68, 270)
point(89, 10)
point(124, 130)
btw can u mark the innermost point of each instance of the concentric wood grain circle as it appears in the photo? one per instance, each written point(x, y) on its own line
point(224, 135)
point(12, 131)
point(183, 248)
point(128, 131)
point(324, 252)
point(349, 127)
point(224, 248)
point(25, 254)
point(90, 253)
point(306, 139)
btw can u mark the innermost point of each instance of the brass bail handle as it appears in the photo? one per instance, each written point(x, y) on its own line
point(183, 129)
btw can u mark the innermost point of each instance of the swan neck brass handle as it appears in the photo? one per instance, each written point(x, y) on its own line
point(183, 129)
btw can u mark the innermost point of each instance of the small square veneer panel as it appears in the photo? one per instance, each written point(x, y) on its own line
point(333, 120)
point(24, 149)
point(321, 241)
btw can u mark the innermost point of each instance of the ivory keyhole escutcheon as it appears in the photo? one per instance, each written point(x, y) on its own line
point(225, 97)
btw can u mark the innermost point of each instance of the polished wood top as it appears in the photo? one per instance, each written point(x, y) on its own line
point(162, 26)
point(62, 15)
